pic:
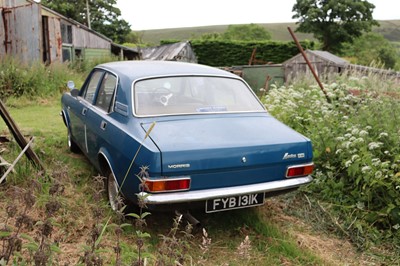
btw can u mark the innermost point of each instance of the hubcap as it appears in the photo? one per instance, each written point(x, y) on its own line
point(113, 192)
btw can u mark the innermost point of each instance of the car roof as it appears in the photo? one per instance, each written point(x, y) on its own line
point(141, 69)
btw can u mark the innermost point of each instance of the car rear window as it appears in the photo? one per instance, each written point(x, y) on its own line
point(193, 94)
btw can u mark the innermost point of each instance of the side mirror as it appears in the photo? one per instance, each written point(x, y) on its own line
point(71, 86)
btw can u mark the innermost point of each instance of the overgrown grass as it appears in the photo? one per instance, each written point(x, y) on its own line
point(33, 80)
point(356, 147)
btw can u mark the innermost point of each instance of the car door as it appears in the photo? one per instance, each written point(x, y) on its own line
point(79, 113)
point(98, 121)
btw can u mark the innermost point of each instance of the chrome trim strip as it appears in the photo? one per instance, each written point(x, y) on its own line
point(201, 195)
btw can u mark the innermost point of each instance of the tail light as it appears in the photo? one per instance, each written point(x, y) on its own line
point(299, 170)
point(167, 185)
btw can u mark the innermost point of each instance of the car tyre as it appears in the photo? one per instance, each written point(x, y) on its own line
point(73, 147)
point(115, 197)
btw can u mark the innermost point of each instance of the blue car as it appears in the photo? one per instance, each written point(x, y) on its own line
point(179, 136)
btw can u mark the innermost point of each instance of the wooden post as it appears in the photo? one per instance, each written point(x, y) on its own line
point(309, 64)
point(19, 137)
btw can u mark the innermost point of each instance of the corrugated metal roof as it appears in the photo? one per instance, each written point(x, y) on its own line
point(181, 51)
point(323, 55)
point(329, 57)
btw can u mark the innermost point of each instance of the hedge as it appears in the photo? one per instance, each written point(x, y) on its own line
point(236, 53)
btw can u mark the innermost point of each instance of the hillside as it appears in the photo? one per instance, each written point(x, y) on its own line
point(390, 29)
point(278, 31)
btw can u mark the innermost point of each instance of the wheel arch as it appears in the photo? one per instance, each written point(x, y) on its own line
point(104, 163)
point(65, 118)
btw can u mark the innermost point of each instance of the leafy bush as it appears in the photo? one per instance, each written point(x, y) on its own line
point(356, 141)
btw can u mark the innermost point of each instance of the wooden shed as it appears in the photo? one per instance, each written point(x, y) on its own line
point(323, 62)
point(32, 32)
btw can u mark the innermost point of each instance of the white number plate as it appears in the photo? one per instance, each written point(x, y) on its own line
point(235, 202)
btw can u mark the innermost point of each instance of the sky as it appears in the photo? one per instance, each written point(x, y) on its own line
point(161, 14)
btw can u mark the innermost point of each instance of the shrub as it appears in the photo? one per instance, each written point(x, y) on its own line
point(356, 142)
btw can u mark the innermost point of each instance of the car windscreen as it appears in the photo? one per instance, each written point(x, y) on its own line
point(193, 94)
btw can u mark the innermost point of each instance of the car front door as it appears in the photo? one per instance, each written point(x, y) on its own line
point(98, 120)
point(80, 112)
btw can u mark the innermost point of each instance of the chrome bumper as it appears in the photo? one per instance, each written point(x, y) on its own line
point(201, 195)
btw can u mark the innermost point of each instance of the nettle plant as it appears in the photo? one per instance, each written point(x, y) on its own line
point(356, 142)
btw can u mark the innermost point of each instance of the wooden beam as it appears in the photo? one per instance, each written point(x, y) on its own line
point(19, 137)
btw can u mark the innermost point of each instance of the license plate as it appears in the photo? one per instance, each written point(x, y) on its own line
point(234, 202)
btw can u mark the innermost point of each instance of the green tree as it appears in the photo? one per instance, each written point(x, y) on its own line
point(105, 18)
point(372, 47)
point(249, 32)
point(334, 22)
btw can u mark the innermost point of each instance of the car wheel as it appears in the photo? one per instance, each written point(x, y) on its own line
point(115, 197)
point(113, 194)
point(73, 147)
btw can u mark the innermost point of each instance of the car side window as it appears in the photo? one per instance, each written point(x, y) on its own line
point(91, 87)
point(106, 92)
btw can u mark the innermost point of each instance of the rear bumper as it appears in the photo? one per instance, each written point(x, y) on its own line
point(202, 195)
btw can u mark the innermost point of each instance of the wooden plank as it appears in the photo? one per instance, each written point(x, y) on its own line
point(11, 167)
point(19, 137)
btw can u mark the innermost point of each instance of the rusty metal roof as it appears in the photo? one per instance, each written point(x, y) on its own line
point(323, 55)
point(181, 51)
point(329, 57)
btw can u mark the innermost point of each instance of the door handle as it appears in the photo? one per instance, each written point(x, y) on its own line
point(103, 125)
point(84, 111)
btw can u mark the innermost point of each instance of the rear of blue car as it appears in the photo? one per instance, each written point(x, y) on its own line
point(202, 135)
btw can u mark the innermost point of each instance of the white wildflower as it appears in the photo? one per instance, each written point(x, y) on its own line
point(365, 169)
point(374, 145)
point(338, 151)
point(348, 163)
point(355, 131)
point(355, 157)
point(363, 133)
point(378, 174)
point(359, 140)
point(383, 135)
point(376, 161)
point(385, 164)
point(346, 144)
point(347, 135)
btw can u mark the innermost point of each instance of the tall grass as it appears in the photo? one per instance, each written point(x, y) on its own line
point(36, 80)
point(356, 142)
point(33, 80)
